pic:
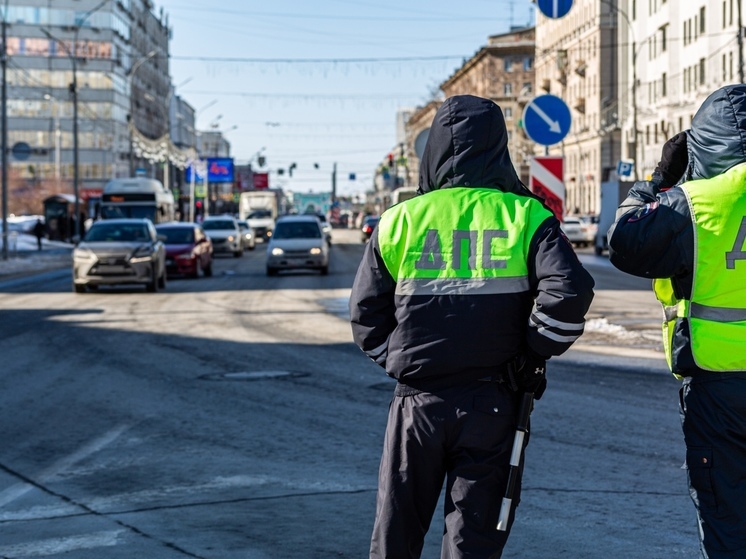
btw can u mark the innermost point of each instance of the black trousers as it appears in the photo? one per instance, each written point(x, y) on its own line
point(463, 436)
point(713, 418)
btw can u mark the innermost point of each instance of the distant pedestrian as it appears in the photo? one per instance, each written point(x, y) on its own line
point(39, 232)
point(685, 229)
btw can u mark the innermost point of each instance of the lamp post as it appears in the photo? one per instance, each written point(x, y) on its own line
point(131, 76)
point(635, 136)
point(4, 117)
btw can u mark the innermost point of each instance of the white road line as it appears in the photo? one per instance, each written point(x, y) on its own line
point(15, 491)
point(55, 546)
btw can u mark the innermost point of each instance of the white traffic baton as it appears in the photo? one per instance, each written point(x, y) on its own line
point(515, 459)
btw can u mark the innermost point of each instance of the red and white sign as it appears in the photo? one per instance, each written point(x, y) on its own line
point(261, 181)
point(547, 180)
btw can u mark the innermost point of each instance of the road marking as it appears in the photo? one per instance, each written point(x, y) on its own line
point(62, 545)
point(13, 492)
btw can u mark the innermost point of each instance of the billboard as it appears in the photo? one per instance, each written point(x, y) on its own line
point(219, 169)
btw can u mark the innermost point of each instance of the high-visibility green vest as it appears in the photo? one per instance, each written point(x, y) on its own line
point(460, 240)
point(716, 311)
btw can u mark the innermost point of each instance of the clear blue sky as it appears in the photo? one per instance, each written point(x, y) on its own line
point(320, 81)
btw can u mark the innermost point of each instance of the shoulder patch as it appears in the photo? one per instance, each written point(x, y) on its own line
point(644, 212)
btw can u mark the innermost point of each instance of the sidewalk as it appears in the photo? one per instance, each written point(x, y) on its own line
point(24, 257)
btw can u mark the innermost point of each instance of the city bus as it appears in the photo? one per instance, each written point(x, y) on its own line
point(137, 197)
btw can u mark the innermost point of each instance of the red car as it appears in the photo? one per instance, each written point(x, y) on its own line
point(188, 249)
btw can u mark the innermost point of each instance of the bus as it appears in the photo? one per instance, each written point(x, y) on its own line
point(137, 197)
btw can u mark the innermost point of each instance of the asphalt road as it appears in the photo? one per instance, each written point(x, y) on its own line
point(231, 417)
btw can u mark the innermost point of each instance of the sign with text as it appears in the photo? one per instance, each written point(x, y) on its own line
point(261, 181)
point(219, 169)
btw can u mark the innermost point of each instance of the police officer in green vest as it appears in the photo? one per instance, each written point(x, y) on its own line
point(462, 294)
point(691, 240)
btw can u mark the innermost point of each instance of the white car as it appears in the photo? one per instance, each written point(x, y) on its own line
point(576, 231)
point(247, 235)
point(297, 242)
point(224, 233)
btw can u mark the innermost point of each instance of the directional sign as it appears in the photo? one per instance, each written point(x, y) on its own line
point(554, 8)
point(547, 120)
point(547, 180)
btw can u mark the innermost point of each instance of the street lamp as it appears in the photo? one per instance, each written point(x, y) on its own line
point(621, 12)
point(73, 56)
point(131, 77)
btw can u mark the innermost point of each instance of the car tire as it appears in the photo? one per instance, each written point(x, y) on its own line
point(79, 288)
point(324, 270)
point(238, 254)
point(252, 246)
point(152, 285)
point(271, 271)
point(162, 280)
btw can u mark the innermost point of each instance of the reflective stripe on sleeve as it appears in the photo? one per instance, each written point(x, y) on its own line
point(549, 321)
point(462, 286)
point(544, 331)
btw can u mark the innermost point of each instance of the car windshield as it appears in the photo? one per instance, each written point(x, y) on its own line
point(296, 230)
point(215, 224)
point(117, 232)
point(177, 235)
point(259, 214)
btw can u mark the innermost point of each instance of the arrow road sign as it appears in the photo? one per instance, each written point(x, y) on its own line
point(554, 8)
point(547, 120)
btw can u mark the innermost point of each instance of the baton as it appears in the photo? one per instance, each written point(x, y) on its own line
point(515, 459)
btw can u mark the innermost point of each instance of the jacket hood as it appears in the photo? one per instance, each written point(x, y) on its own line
point(468, 146)
point(717, 138)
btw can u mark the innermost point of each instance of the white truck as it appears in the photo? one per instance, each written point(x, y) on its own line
point(260, 209)
point(613, 193)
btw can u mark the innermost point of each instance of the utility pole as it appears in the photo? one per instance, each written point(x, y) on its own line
point(334, 184)
point(4, 117)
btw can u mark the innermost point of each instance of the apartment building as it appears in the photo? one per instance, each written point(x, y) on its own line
point(679, 52)
point(577, 60)
point(117, 51)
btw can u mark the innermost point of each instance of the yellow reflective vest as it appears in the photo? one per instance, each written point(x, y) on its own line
point(716, 310)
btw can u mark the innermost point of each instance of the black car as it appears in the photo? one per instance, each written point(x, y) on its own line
point(369, 223)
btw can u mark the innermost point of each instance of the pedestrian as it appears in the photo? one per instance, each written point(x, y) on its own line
point(462, 294)
point(685, 228)
point(38, 232)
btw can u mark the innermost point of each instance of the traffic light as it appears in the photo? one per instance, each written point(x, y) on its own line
point(290, 169)
point(391, 160)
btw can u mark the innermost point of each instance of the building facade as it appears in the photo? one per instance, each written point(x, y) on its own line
point(104, 47)
point(577, 60)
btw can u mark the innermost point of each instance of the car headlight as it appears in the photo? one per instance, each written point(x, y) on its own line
point(277, 251)
point(83, 254)
point(142, 254)
point(315, 250)
point(231, 238)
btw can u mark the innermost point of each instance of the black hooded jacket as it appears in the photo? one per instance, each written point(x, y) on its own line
point(426, 341)
point(653, 234)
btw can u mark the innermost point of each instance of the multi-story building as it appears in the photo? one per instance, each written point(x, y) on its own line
point(118, 54)
point(503, 71)
point(577, 60)
point(679, 52)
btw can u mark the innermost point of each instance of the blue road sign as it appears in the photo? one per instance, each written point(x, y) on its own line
point(554, 8)
point(21, 151)
point(547, 120)
point(625, 168)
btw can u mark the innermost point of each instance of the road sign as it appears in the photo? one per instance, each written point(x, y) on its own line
point(547, 180)
point(547, 120)
point(21, 151)
point(625, 168)
point(554, 8)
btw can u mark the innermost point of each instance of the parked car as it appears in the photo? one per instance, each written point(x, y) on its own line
point(120, 251)
point(188, 249)
point(224, 233)
point(247, 235)
point(369, 223)
point(297, 242)
point(578, 231)
point(326, 227)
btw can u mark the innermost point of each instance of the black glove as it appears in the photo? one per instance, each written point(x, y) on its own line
point(673, 163)
point(527, 373)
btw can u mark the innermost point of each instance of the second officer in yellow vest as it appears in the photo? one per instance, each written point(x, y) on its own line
point(691, 239)
point(454, 286)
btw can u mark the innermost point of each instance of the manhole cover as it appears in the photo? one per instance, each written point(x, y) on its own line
point(253, 375)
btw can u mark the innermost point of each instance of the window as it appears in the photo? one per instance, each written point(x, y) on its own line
point(508, 113)
point(508, 89)
point(664, 85)
point(701, 71)
point(528, 63)
point(725, 14)
point(702, 25)
point(508, 65)
point(664, 42)
point(634, 10)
